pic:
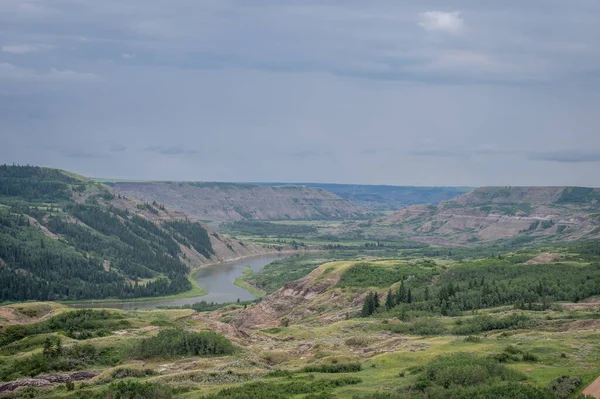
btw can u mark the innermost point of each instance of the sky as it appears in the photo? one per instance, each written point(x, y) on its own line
point(453, 92)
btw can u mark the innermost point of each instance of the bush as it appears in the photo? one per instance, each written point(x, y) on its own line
point(564, 386)
point(132, 390)
point(178, 342)
point(484, 323)
point(295, 387)
point(463, 369)
point(121, 373)
point(333, 368)
point(423, 326)
point(76, 357)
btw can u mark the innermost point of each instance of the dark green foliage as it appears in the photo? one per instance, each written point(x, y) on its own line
point(563, 387)
point(513, 354)
point(495, 282)
point(367, 275)
point(424, 326)
point(33, 183)
point(79, 324)
point(130, 390)
point(125, 372)
point(195, 234)
point(56, 358)
point(264, 390)
point(268, 229)
point(479, 324)
point(370, 304)
point(177, 342)
point(333, 368)
point(463, 369)
point(92, 236)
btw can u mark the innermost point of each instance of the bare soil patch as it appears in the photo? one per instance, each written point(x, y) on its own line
point(543, 259)
point(593, 389)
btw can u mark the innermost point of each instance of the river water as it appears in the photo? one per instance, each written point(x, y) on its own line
point(218, 280)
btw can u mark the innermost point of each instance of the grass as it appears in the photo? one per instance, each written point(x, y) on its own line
point(196, 291)
point(242, 283)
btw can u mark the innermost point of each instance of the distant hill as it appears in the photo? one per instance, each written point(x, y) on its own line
point(220, 202)
point(64, 237)
point(384, 197)
point(489, 214)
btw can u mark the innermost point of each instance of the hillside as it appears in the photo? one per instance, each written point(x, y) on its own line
point(491, 327)
point(498, 213)
point(384, 197)
point(65, 237)
point(220, 202)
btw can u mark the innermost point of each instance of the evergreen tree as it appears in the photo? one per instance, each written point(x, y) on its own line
point(401, 295)
point(390, 301)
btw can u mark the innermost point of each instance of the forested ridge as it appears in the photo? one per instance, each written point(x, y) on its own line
point(61, 238)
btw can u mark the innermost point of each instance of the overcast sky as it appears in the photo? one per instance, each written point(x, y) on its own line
point(452, 92)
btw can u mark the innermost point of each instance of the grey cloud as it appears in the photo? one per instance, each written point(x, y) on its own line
point(348, 89)
point(81, 153)
point(304, 154)
point(116, 147)
point(170, 150)
point(567, 156)
point(176, 151)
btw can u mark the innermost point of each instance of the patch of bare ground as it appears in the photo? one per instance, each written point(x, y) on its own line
point(271, 309)
point(543, 259)
point(47, 380)
point(582, 325)
point(30, 313)
point(44, 229)
point(593, 389)
point(132, 331)
point(588, 304)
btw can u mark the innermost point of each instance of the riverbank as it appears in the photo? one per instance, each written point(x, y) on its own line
point(204, 287)
point(196, 291)
point(242, 283)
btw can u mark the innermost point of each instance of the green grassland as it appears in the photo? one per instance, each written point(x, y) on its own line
point(325, 348)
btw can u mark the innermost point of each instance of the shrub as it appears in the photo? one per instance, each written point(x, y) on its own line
point(463, 369)
point(358, 342)
point(333, 368)
point(564, 386)
point(121, 373)
point(484, 323)
point(295, 387)
point(178, 342)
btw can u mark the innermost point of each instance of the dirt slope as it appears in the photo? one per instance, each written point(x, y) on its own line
point(230, 201)
point(494, 213)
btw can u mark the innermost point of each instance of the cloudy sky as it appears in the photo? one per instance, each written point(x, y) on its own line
point(452, 92)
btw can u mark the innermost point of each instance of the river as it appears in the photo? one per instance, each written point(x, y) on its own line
point(217, 279)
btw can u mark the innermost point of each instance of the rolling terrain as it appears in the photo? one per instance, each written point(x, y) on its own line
point(385, 197)
point(63, 237)
point(218, 202)
point(491, 214)
point(494, 328)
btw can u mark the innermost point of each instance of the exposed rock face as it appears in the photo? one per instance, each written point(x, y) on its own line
point(294, 300)
point(232, 201)
point(47, 380)
point(494, 213)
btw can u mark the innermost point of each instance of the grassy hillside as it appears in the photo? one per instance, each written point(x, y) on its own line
point(63, 237)
point(499, 327)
